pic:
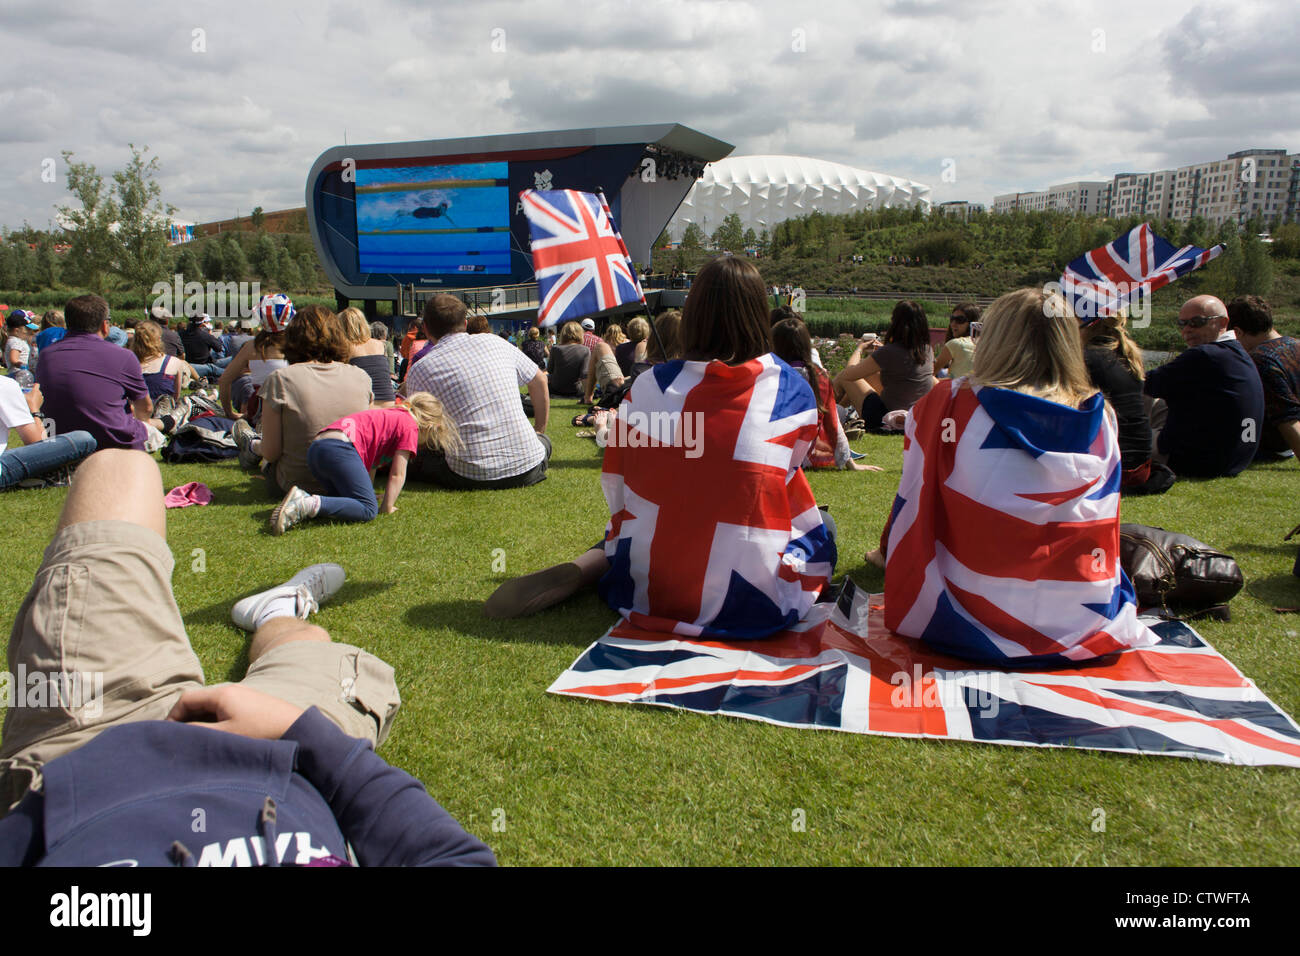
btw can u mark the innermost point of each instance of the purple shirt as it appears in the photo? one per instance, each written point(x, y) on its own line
point(87, 384)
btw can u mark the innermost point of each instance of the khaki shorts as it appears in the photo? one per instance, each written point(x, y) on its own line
point(99, 641)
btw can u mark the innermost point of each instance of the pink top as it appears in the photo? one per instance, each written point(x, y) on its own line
point(379, 433)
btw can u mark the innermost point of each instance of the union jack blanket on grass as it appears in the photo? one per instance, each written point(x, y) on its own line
point(841, 669)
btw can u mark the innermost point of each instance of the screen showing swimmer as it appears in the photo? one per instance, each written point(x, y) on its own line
point(434, 220)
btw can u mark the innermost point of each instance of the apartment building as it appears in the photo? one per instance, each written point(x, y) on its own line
point(1237, 188)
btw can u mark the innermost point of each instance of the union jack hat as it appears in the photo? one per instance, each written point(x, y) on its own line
point(276, 311)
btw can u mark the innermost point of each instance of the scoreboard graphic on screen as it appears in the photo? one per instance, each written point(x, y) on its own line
point(446, 213)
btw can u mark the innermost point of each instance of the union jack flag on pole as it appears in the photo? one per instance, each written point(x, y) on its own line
point(579, 258)
point(1112, 277)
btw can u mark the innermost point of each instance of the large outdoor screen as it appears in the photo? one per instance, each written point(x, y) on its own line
point(434, 220)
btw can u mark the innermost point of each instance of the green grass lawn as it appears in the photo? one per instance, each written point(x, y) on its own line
point(550, 780)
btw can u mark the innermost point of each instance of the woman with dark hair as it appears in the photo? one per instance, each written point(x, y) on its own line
point(793, 345)
point(713, 528)
point(243, 378)
point(896, 373)
point(317, 388)
point(957, 354)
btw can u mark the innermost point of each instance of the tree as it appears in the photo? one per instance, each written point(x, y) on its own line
point(92, 253)
point(1286, 241)
point(214, 261)
point(262, 258)
point(286, 272)
point(307, 271)
point(47, 263)
point(259, 220)
point(143, 255)
point(235, 261)
point(187, 264)
point(693, 237)
point(731, 234)
point(1256, 274)
point(664, 240)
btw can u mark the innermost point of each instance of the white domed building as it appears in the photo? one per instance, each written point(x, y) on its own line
point(765, 190)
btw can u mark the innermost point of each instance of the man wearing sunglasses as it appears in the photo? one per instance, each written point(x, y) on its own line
point(1209, 404)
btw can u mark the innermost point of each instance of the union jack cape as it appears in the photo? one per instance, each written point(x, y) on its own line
point(713, 528)
point(581, 263)
point(1003, 541)
point(841, 669)
point(1114, 276)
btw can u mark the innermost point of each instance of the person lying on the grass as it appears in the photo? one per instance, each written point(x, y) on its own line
point(109, 764)
point(1003, 542)
point(713, 528)
point(793, 345)
point(345, 454)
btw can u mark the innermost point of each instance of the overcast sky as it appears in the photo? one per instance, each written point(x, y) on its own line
point(238, 98)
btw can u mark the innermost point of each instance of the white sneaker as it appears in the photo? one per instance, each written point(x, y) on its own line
point(243, 435)
point(310, 588)
point(291, 510)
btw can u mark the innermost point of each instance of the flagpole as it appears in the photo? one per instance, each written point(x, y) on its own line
point(645, 306)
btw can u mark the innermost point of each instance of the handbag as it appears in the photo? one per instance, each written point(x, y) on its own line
point(1178, 573)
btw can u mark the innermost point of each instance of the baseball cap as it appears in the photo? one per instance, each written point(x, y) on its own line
point(589, 325)
point(18, 318)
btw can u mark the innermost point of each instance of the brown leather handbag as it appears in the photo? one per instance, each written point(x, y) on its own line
point(1176, 573)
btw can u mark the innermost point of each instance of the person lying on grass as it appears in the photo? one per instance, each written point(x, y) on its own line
point(344, 455)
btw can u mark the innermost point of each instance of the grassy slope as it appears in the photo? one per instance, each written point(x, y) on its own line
point(589, 783)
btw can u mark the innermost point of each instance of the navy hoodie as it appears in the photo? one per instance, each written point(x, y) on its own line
point(137, 789)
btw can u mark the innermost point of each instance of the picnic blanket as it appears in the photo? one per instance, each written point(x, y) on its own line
point(841, 669)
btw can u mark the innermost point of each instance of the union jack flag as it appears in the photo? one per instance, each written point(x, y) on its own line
point(713, 528)
point(841, 669)
point(1115, 275)
point(580, 261)
point(1003, 542)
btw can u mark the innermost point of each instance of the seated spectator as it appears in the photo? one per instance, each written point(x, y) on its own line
point(89, 383)
point(164, 376)
point(1115, 367)
point(697, 563)
point(567, 365)
point(477, 380)
point(602, 370)
point(478, 324)
point(783, 312)
point(200, 346)
point(957, 354)
point(589, 336)
point(535, 348)
point(633, 350)
point(379, 332)
point(239, 388)
point(344, 455)
point(1277, 359)
point(367, 354)
point(117, 784)
point(18, 345)
point(665, 344)
point(38, 456)
point(892, 375)
point(792, 344)
point(318, 387)
point(172, 343)
point(53, 328)
point(1003, 543)
point(1210, 408)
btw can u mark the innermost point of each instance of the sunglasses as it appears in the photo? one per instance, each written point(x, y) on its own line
point(1197, 322)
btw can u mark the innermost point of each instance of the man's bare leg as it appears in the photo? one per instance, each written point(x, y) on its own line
point(116, 484)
